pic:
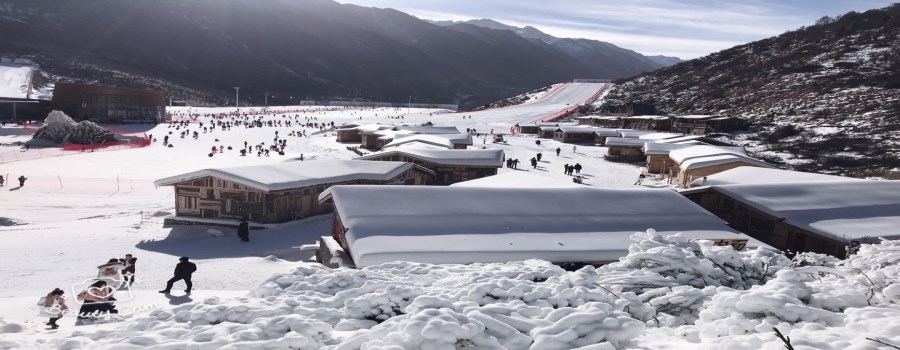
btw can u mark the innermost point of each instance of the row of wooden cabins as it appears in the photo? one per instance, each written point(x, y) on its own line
point(377, 136)
point(287, 191)
point(685, 124)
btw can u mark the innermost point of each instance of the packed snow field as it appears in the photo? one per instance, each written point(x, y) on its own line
point(77, 211)
point(14, 79)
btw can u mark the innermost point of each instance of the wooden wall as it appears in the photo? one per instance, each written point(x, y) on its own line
point(764, 227)
point(444, 174)
point(214, 198)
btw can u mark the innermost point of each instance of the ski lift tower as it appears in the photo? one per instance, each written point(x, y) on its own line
point(237, 98)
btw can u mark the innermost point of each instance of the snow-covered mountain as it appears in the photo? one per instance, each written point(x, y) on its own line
point(305, 49)
point(824, 97)
point(585, 50)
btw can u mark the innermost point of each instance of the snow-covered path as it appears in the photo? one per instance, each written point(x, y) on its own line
point(555, 100)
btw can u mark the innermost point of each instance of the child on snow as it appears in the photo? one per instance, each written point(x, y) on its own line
point(53, 306)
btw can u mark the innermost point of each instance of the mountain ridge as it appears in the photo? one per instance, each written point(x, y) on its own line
point(823, 98)
point(310, 49)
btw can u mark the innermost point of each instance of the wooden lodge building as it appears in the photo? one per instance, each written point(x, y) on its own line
point(687, 124)
point(802, 212)
point(572, 227)
point(278, 192)
point(445, 141)
point(699, 161)
point(448, 166)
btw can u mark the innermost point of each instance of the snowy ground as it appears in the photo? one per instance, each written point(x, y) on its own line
point(78, 210)
point(14, 79)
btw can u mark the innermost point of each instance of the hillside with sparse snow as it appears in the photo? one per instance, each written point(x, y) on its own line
point(836, 83)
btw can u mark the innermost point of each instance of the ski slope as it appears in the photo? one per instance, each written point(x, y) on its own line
point(14, 80)
point(557, 100)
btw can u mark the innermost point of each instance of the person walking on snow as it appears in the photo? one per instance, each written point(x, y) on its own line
point(539, 156)
point(557, 151)
point(577, 168)
point(129, 270)
point(574, 149)
point(22, 179)
point(1, 180)
point(534, 163)
point(244, 231)
point(183, 272)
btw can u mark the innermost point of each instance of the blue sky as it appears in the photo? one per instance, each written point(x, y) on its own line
point(687, 29)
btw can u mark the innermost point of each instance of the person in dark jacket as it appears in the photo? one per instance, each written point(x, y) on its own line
point(557, 151)
point(22, 180)
point(183, 271)
point(534, 162)
point(129, 270)
point(244, 231)
point(577, 168)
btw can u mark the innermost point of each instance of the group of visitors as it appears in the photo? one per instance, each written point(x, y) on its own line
point(98, 299)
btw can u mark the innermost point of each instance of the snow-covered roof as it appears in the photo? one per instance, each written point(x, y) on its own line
point(659, 136)
point(651, 117)
point(622, 141)
point(297, 174)
point(635, 133)
point(443, 140)
point(468, 157)
point(662, 148)
point(367, 128)
point(517, 179)
point(681, 139)
point(606, 132)
point(582, 129)
point(701, 156)
point(758, 176)
point(548, 127)
point(431, 129)
point(475, 224)
point(851, 209)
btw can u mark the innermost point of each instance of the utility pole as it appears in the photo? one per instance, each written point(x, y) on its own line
point(267, 100)
point(237, 97)
point(408, 103)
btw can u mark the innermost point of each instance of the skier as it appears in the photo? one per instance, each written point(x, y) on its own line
point(244, 231)
point(557, 151)
point(54, 306)
point(183, 271)
point(22, 179)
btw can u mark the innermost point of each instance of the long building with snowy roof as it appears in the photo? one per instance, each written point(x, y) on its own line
point(475, 224)
point(802, 212)
point(449, 166)
point(278, 192)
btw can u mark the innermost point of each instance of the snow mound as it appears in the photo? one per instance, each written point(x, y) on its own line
point(60, 128)
point(668, 290)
